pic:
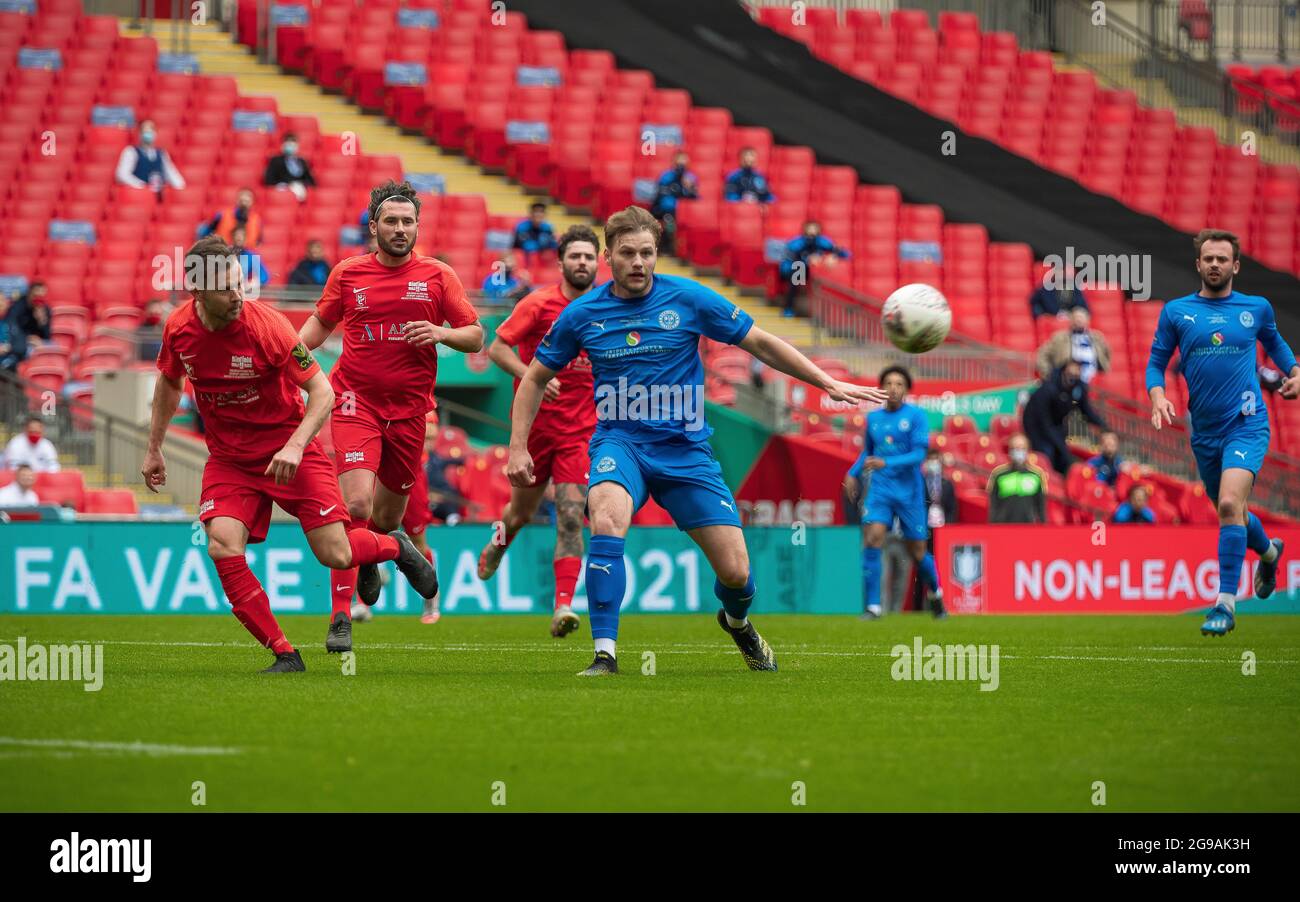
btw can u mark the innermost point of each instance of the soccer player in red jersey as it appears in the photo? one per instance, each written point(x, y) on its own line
point(247, 365)
point(392, 304)
point(560, 435)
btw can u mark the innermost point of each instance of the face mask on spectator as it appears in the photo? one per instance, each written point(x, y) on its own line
point(147, 136)
point(290, 148)
point(1019, 455)
point(33, 436)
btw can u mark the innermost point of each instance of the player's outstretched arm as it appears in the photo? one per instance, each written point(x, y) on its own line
point(783, 357)
point(527, 401)
point(166, 398)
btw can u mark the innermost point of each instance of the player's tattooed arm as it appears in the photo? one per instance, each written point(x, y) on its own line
point(519, 468)
point(314, 331)
point(784, 357)
point(166, 398)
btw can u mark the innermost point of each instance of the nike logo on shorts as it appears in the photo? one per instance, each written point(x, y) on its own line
point(326, 510)
point(408, 485)
point(340, 588)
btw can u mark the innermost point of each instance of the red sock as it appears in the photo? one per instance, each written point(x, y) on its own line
point(566, 577)
point(371, 547)
point(249, 602)
point(343, 585)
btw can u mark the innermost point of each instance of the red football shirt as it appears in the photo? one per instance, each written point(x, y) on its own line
point(575, 409)
point(372, 301)
point(245, 379)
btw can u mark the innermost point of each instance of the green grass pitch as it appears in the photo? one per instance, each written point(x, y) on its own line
point(438, 717)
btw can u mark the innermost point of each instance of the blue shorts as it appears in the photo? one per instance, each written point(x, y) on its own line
point(1242, 445)
point(683, 477)
point(884, 506)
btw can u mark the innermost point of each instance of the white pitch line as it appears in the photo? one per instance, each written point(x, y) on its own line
point(152, 749)
point(708, 649)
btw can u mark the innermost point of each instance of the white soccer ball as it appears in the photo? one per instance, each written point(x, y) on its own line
point(916, 318)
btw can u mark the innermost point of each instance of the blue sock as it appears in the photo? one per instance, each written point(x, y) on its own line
point(928, 572)
point(606, 582)
point(871, 576)
point(1232, 552)
point(1256, 539)
point(735, 602)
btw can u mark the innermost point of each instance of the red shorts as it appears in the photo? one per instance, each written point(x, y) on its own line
point(246, 493)
point(417, 515)
point(559, 457)
point(391, 449)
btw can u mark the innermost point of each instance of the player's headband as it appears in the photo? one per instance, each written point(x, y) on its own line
point(402, 197)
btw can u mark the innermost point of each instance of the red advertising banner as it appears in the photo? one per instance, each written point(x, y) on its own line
point(1005, 569)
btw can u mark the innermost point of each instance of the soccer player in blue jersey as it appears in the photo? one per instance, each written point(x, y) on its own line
point(642, 333)
point(1215, 331)
point(894, 444)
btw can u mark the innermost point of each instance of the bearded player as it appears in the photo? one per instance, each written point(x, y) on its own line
point(247, 365)
point(642, 334)
point(559, 438)
point(393, 304)
point(1215, 331)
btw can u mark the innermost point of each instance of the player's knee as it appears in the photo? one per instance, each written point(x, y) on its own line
point(568, 521)
point(220, 546)
point(1230, 509)
point(734, 571)
point(360, 508)
point(335, 555)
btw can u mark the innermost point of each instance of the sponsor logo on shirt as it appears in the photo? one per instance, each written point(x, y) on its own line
point(416, 291)
point(241, 367)
point(354, 457)
point(633, 339)
point(1217, 320)
point(1247, 318)
point(227, 398)
point(668, 319)
point(1216, 339)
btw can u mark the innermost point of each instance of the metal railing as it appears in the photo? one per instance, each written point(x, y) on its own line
point(1260, 30)
point(846, 325)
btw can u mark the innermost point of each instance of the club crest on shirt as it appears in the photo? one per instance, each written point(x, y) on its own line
point(359, 295)
point(904, 425)
point(668, 319)
point(1247, 318)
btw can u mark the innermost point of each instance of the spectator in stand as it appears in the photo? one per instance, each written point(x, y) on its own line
point(675, 185)
point(255, 274)
point(145, 166)
point(1047, 409)
point(506, 282)
point(148, 335)
point(535, 233)
point(32, 448)
point(13, 340)
point(747, 183)
point(1018, 489)
point(19, 492)
point(1080, 343)
point(288, 171)
point(1135, 509)
point(809, 247)
point(1108, 463)
point(241, 214)
point(940, 494)
point(33, 315)
point(1058, 302)
point(312, 269)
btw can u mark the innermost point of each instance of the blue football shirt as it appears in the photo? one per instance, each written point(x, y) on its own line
point(645, 354)
point(901, 439)
point(1215, 338)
